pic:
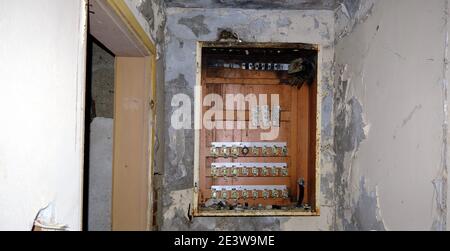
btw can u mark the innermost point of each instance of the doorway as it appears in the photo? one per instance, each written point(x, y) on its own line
point(128, 148)
point(98, 153)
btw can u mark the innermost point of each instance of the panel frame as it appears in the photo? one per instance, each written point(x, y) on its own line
point(198, 96)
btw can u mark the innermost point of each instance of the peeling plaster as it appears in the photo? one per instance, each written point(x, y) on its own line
point(350, 200)
point(382, 177)
point(46, 219)
point(256, 4)
point(154, 13)
point(327, 186)
point(352, 7)
point(178, 171)
point(366, 211)
point(146, 8)
point(254, 26)
point(349, 14)
point(196, 24)
point(349, 132)
point(179, 204)
point(346, 196)
point(440, 184)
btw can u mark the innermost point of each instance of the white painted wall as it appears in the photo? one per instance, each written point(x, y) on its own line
point(42, 74)
point(394, 64)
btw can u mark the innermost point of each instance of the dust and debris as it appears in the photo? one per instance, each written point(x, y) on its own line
point(176, 215)
point(179, 203)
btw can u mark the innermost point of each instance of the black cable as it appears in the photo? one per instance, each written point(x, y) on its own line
point(301, 192)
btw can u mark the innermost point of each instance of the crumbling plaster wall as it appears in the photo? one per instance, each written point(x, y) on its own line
point(151, 15)
point(256, 4)
point(390, 115)
point(187, 26)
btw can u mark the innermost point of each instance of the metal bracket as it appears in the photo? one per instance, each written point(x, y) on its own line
point(195, 187)
point(248, 165)
point(249, 188)
point(249, 144)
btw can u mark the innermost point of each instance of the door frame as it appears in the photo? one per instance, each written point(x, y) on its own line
point(115, 25)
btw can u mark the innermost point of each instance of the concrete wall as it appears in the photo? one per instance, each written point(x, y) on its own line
point(259, 4)
point(391, 115)
point(100, 174)
point(102, 82)
point(101, 139)
point(184, 28)
point(42, 57)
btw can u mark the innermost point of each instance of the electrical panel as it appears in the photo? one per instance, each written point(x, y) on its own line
point(258, 140)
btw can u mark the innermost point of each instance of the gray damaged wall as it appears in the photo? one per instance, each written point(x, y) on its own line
point(390, 114)
point(256, 4)
point(187, 26)
point(151, 14)
point(384, 118)
point(100, 175)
